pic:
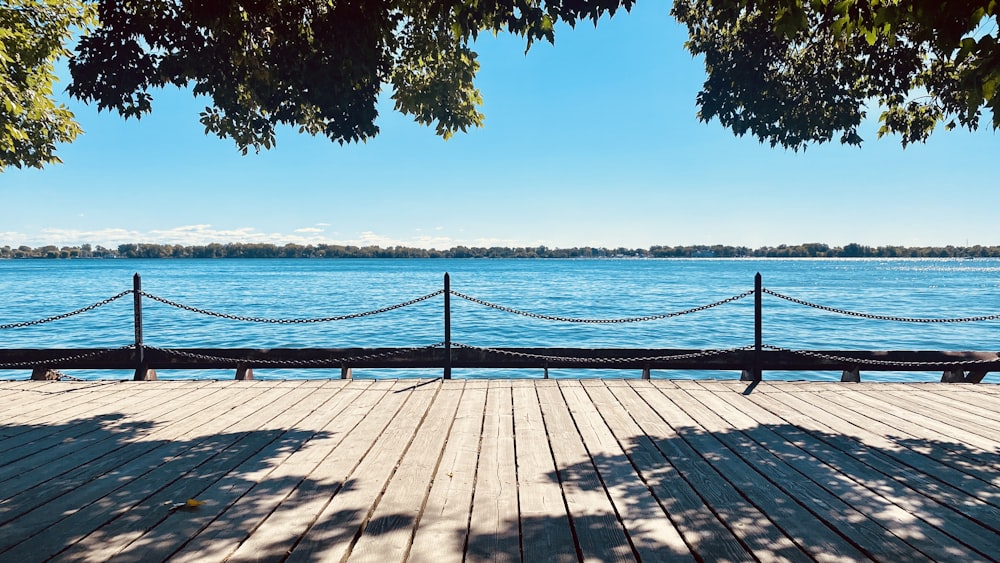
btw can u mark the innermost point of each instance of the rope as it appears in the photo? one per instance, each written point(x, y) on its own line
point(599, 321)
point(882, 317)
point(615, 360)
point(292, 363)
point(873, 362)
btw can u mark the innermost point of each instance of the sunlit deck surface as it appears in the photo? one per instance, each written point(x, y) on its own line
point(522, 470)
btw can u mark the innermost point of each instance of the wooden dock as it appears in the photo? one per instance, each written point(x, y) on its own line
point(500, 470)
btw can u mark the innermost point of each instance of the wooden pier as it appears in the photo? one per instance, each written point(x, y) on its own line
point(498, 470)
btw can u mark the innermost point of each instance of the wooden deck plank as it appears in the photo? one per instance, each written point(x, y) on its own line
point(941, 457)
point(939, 417)
point(599, 533)
point(215, 446)
point(494, 529)
point(49, 424)
point(652, 534)
point(390, 528)
point(42, 398)
point(870, 525)
point(73, 507)
point(332, 457)
point(746, 521)
point(130, 518)
point(545, 529)
point(695, 424)
point(337, 528)
point(973, 406)
point(701, 529)
point(241, 518)
point(849, 480)
point(272, 437)
point(103, 454)
point(591, 470)
point(938, 503)
point(443, 528)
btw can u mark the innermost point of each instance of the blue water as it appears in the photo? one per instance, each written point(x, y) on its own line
point(596, 289)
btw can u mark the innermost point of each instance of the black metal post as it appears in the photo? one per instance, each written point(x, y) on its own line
point(140, 366)
point(447, 326)
point(753, 371)
point(758, 316)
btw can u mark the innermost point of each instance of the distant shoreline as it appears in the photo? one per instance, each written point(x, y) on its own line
point(256, 250)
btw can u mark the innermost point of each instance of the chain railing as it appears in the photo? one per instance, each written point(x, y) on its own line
point(601, 321)
point(754, 352)
point(67, 315)
point(875, 317)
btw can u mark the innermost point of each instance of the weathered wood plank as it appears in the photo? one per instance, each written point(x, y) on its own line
point(105, 449)
point(238, 521)
point(390, 528)
point(145, 524)
point(274, 436)
point(746, 520)
point(858, 488)
point(653, 536)
point(937, 417)
point(940, 504)
point(444, 526)
point(332, 457)
point(493, 531)
point(85, 500)
point(796, 472)
point(706, 535)
point(337, 528)
point(695, 425)
point(599, 534)
point(941, 457)
point(617, 463)
point(545, 528)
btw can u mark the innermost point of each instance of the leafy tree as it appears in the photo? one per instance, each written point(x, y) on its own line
point(33, 34)
point(315, 64)
point(792, 72)
point(789, 72)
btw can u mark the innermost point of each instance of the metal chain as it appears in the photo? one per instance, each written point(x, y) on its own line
point(599, 321)
point(691, 356)
point(63, 360)
point(67, 315)
point(888, 363)
point(292, 363)
point(882, 317)
point(292, 321)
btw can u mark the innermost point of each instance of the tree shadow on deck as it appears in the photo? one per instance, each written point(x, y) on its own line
point(756, 489)
point(107, 485)
point(112, 484)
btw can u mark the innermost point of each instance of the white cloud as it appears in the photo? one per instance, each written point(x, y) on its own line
point(202, 234)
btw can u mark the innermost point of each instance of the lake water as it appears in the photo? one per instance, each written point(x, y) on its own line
point(593, 289)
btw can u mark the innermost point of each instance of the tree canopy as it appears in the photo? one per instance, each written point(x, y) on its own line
point(789, 72)
point(793, 72)
point(33, 35)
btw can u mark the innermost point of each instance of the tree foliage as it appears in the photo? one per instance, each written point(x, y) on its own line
point(793, 72)
point(315, 64)
point(789, 72)
point(33, 35)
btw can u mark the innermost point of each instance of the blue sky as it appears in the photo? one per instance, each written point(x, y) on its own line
point(593, 141)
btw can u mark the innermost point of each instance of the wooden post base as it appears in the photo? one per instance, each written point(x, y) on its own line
point(852, 375)
point(144, 374)
point(45, 374)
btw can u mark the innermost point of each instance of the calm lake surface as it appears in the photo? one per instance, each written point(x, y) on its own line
point(593, 289)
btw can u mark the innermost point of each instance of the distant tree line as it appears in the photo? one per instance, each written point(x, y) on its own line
point(260, 250)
